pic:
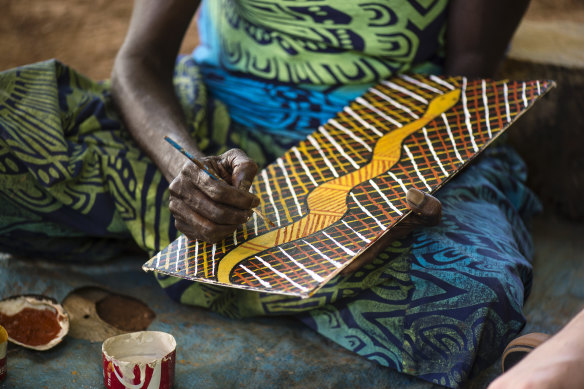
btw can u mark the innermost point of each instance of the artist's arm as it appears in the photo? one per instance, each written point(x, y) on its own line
point(557, 363)
point(479, 32)
point(143, 91)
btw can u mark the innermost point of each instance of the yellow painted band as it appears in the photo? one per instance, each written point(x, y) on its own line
point(387, 151)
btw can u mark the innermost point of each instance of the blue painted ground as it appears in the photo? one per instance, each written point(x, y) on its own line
point(215, 352)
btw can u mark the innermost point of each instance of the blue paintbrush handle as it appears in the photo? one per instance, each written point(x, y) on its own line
point(189, 156)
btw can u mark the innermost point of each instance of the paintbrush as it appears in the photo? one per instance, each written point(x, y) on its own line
point(206, 169)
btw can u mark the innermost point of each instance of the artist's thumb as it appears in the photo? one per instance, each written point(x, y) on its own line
point(243, 169)
point(426, 209)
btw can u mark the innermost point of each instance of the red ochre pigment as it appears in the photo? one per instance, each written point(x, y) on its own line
point(33, 327)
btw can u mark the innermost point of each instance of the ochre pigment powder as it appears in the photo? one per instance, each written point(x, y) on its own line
point(33, 327)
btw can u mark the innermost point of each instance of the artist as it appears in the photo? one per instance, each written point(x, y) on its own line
point(440, 304)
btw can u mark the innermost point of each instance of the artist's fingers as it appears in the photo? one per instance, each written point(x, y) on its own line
point(195, 226)
point(426, 209)
point(182, 191)
point(218, 213)
point(243, 168)
point(217, 190)
point(203, 233)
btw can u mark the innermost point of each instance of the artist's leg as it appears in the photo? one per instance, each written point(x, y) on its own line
point(52, 196)
point(72, 181)
point(557, 363)
point(440, 305)
point(457, 301)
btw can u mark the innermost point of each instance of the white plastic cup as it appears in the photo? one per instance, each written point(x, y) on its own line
point(139, 360)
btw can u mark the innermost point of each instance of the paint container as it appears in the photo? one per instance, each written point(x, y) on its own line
point(139, 360)
point(3, 345)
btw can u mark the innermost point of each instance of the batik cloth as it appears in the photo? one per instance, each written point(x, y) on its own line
point(439, 305)
point(250, 51)
point(323, 42)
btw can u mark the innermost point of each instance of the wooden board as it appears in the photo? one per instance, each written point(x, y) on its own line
point(337, 192)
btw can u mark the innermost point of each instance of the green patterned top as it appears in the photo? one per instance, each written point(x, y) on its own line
point(322, 42)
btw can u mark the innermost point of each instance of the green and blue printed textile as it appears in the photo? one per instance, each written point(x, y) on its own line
point(440, 305)
point(322, 42)
point(284, 67)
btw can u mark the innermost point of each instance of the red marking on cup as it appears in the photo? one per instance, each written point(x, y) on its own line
point(139, 360)
point(3, 345)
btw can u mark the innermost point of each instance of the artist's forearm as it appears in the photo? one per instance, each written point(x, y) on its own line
point(145, 97)
point(142, 85)
point(479, 32)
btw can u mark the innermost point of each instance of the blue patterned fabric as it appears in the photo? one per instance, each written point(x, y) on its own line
point(439, 305)
point(283, 68)
point(290, 111)
point(448, 304)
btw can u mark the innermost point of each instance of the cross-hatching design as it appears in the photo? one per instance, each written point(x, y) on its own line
point(343, 187)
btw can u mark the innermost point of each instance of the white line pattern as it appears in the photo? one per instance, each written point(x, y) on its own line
point(405, 91)
point(368, 213)
point(399, 181)
point(284, 276)
point(366, 104)
point(451, 138)
point(351, 134)
point(269, 190)
point(486, 103)
point(507, 111)
point(345, 249)
point(429, 143)
point(178, 256)
point(338, 147)
point(255, 217)
point(440, 81)
point(315, 276)
point(393, 102)
point(304, 167)
point(467, 115)
point(364, 239)
point(281, 164)
point(332, 261)
point(213, 249)
point(420, 84)
point(384, 197)
point(317, 147)
point(363, 122)
point(196, 256)
point(416, 167)
point(264, 283)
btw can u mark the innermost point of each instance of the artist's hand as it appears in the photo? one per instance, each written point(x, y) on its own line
point(555, 364)
point(426, 211)
point(209, 209)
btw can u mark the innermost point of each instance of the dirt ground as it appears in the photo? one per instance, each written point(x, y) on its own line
point(85, 34)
